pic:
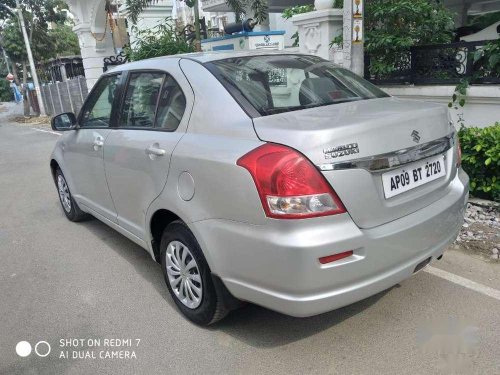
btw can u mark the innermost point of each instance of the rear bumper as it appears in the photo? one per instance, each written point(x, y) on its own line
point(276, 265)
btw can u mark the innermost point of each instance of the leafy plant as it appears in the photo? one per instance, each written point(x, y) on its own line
point(481, 159)
point(488, 57)
point(297, 9)
point(459, 96)
point(161, 40)
point(486, 63)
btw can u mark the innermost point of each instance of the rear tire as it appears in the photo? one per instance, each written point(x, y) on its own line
point(188, 277)
point(68, 204)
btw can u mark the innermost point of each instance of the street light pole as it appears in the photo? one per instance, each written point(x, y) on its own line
point(30, 59)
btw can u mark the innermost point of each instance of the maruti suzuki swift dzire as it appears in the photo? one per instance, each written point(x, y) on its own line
point(275, 178)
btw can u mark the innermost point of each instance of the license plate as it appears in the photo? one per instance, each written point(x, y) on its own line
point(413, 175)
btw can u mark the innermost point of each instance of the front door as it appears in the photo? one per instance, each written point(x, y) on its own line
point(84, 149)
point(137, 153)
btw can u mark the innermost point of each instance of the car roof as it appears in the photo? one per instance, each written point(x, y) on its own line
point(201, 57)
point(221, 55)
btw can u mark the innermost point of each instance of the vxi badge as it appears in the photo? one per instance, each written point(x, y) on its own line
point(342, 150)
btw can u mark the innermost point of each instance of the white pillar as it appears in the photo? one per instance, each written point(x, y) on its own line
point(353, 39)
point(93, 51)
point(347, 34)
point(317, 30)
point(93, 34)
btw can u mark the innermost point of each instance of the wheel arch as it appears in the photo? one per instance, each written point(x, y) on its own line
point(53, 167)
point(157, 224)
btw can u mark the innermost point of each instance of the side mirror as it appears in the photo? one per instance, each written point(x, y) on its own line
point(64, 121)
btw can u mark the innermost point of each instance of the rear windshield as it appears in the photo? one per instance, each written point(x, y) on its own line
point(282, 83)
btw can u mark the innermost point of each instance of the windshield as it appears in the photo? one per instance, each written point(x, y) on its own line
point(282, 83)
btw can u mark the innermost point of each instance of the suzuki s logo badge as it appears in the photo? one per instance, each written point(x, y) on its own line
point(415, 136)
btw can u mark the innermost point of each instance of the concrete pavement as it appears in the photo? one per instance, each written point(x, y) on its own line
point(64, 281)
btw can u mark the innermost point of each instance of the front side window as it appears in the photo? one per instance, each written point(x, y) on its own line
point(141, 98)
point(97, 111)
point(282, 83)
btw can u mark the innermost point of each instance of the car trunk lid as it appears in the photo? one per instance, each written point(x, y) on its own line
point(362, 130)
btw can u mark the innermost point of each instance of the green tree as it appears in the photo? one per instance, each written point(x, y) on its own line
point(43, 11)
point(38, 15)
point(45, 41)
point(393, 26)
point(65, 41)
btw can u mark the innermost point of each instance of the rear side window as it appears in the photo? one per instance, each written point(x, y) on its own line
point(282, 83)
point(171, 106)
point(141, 98)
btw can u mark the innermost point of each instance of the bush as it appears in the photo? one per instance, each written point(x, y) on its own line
point(161, 40)
point(481, 160)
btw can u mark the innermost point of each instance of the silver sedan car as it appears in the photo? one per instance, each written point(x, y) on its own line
point(274, 178)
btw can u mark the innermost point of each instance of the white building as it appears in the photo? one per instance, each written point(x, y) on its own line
point(152, 15)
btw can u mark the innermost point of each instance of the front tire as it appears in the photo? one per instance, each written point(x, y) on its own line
point(188, 277)
point(68, 204)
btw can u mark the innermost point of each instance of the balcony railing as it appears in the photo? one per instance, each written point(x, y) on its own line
point(61, 69)
point(438, 64)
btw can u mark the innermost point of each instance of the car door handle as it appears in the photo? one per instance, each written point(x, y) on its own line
point(155, 151)
point(98, 143)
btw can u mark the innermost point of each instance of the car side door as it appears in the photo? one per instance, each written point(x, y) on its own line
point(137, 153)
point(83, 148)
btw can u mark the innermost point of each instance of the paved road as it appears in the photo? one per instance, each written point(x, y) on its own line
point(60, 280)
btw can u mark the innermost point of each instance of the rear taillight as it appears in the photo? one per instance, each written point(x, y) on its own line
point(459, 154)
point(289, 185)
